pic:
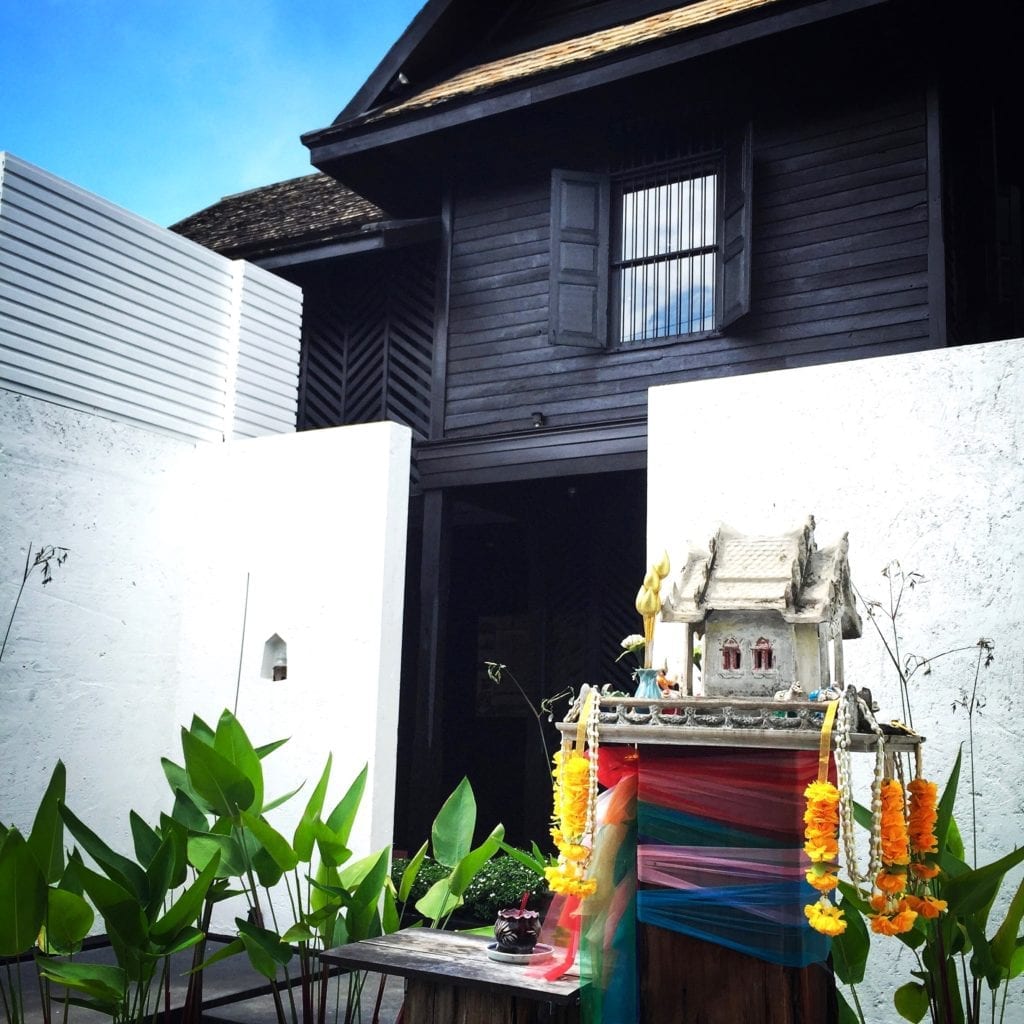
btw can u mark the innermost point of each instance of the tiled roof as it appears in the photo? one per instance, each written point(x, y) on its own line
point(301, 211)
point(595, 45)
point(786, 573)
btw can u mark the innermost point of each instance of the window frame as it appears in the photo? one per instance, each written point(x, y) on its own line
point(664, 173)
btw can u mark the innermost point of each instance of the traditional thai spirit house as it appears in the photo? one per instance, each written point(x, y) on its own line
point(535, 210)
point(773, 612)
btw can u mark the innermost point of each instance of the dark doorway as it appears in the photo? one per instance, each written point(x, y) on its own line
point(541, 577)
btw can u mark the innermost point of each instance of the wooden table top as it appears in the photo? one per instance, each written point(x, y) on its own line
point(455, 958)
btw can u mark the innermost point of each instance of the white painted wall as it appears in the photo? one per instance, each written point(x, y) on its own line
point(141, 626)
point(921, 458)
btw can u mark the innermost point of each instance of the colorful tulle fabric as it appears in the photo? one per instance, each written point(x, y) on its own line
point(720, 850)
point(699, 841)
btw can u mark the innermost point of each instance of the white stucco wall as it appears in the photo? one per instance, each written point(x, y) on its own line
point(142, 625)
point(921, 458)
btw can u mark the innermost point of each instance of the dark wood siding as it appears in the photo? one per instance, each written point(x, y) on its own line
point(839, 272)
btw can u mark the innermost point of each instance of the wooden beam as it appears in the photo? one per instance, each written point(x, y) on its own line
point(438, 386)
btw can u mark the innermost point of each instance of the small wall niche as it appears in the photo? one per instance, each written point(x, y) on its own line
point(275, 659)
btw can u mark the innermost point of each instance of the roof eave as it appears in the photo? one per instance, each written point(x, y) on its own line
point(345, 138)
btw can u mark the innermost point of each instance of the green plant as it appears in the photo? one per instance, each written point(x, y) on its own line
point(148, 911)
point(451, 846)
point(219, 803)
point(500, 884)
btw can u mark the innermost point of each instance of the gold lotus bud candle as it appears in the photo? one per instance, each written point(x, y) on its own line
point(648, 602)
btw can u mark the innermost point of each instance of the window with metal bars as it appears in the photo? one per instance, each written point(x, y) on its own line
point(665, 254)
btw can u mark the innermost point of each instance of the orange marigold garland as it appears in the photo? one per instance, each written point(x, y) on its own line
point(893, 912)
point(904, 848)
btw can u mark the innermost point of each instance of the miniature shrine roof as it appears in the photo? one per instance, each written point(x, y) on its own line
point(604, 43)
point(786, 573)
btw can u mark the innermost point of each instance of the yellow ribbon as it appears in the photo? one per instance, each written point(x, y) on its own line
point(581, 729)
point(825, 747)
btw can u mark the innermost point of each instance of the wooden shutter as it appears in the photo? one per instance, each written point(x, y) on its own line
point(736, 210)
point(578, 303)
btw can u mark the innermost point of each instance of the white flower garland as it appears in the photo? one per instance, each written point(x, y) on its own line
point(847, 714)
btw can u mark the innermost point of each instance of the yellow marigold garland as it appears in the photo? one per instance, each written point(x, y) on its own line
point(571, 818)
point(821, 832)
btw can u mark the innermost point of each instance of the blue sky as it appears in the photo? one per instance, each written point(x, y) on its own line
point(164, 106)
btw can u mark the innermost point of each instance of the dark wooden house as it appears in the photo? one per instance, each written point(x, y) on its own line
point(535, 210)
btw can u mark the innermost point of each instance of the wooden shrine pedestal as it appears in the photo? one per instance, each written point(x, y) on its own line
point(682, 978)
point(685, 979)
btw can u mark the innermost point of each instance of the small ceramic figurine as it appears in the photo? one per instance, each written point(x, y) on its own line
point(795, 692)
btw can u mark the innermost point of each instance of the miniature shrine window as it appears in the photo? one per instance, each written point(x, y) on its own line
point(730, 655)
point(763, 656)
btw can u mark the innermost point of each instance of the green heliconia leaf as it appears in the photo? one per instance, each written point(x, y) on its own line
point(982, 964)
point(177, 778)
point(71, 880)
point(266, 951)
point(1004, 942)
point(438, 901)
point(342, 818)
point(390, 919)
point(102, 982)
point(217, 781)
point(945, 806)
point(126, 873)
point(201, 731)
point(187, 812)
point(278, 801)
point(975, 890)
point(186, 908)
point(850, 950)
point(46, 840)
point(911, 1001)
point(299, 933)
point(451, 835)
point(363, 914)
point(203, 849)
point(269, 748)
point(159, 875)
point(120, 909)
point(272, 841)
point(144, 838)
point(186, 939)
point(1017, 960)
point(179, 834)
point(326, 887)
point(534, 861)
point(465, 871)
point(22, 896)
point(847, 1015)
point(332, 850)
point(410, 873)
point(267, 872)
point(68, 920)
point(305, 832)
point(231, 742)
point(954, 841)
point(233, 948)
